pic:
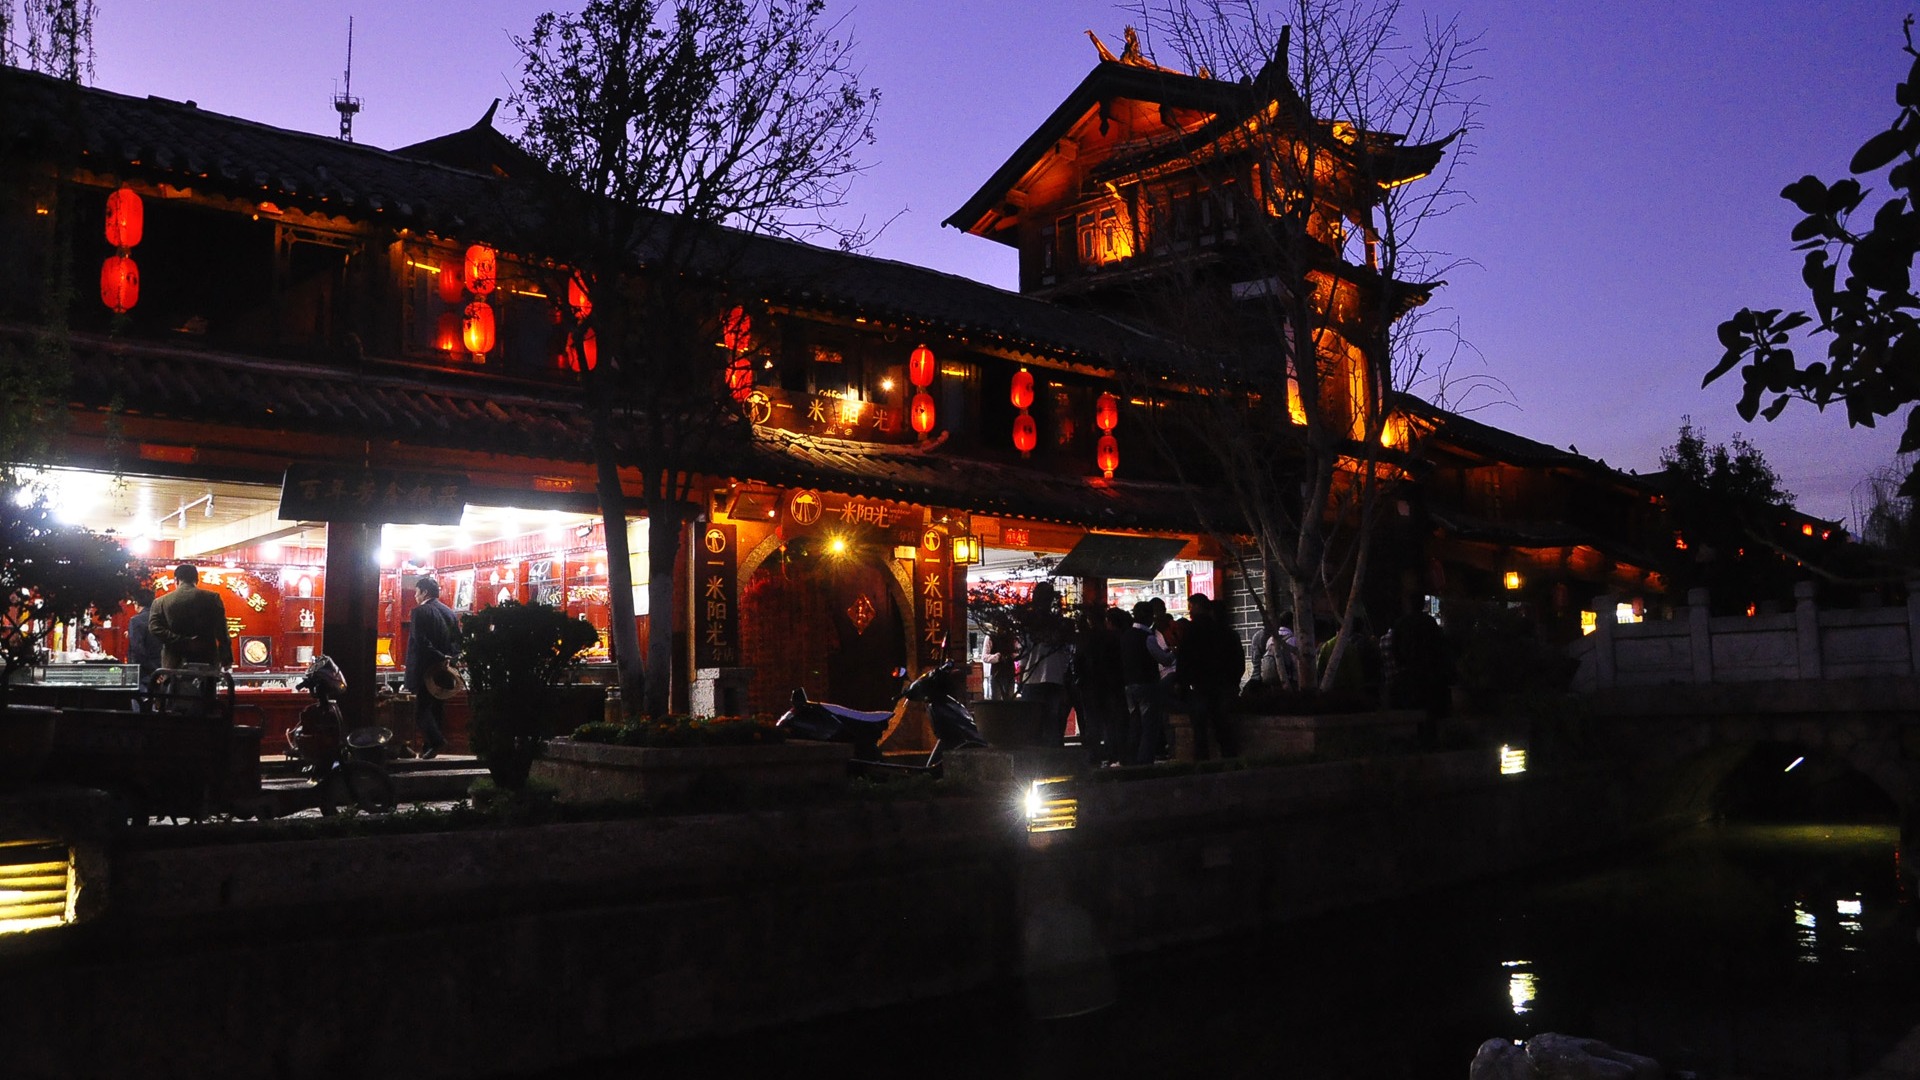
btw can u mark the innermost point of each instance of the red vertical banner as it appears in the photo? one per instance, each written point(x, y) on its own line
point(933, 594)
point(716, 618)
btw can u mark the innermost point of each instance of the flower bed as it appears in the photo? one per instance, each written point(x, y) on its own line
point(589, 772)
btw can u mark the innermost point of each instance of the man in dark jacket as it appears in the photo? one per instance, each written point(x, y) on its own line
point(191, 623)
point(1140, 659)
point(1209, 665)
point(433, 640)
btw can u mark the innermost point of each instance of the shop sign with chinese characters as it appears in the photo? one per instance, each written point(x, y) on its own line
point(716, 617)
point(372, 496)
point(933, 594)
point(808, 509)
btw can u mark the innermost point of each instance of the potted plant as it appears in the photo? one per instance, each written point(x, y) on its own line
point(50, 573)
point(517, 656)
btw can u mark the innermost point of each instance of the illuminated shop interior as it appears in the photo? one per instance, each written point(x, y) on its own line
point(271, 573)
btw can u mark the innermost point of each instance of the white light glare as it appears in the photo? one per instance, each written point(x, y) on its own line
point(1795, 764)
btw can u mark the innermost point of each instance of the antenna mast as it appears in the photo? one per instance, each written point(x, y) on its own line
point(344, 102)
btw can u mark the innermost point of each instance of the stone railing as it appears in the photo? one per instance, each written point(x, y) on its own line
point(1698, 648)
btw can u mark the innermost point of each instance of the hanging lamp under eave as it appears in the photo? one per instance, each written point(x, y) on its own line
point(126, 218)
point(119, 283)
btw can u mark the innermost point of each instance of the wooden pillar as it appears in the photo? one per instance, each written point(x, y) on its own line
point(351, 626)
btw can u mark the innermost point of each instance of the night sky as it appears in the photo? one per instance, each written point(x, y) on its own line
point(1625, 179)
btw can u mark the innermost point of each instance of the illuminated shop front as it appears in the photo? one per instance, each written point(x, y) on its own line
point(271, 573)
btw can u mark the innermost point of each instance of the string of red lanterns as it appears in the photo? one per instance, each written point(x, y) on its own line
point(477, 274)
point(1106, 417)
point(1026, 434)
point(736, 336)
point(119, 274)
point(920, 367)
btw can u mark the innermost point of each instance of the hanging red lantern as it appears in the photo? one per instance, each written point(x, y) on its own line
point(740, 378)
point(126, 218)
point(119, 283)
point(453, 289)
point(577, 297)
point(920, 367)
point(446, 333)
point(736, 332)
point(1106, 412)
point(1025, 435)
point(476, 329)
point(1022, 394)
point(479, 270)
point(1107, 455)
point(586, 356)
point(922, 412)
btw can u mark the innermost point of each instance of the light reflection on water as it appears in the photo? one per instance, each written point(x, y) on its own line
point(1757, 952)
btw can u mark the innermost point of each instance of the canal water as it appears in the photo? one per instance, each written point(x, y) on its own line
point(1732, 951)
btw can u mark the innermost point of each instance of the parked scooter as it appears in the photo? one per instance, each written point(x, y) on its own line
point(345, 766)
point(936, 688)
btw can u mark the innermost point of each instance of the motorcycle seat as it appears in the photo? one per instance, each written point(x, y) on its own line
point(859, 715)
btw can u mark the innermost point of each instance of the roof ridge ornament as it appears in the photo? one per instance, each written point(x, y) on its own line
point(1132, 56)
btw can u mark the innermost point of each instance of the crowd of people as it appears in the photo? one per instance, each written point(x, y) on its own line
point(1119, 673)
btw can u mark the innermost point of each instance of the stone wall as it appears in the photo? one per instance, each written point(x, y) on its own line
point(495, 951)
point(1696, 647)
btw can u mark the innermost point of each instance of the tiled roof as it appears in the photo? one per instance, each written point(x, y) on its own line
point(180, 144)
point(456, 413)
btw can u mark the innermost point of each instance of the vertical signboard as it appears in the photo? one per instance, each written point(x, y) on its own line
point(932, 594)
point(716, 619)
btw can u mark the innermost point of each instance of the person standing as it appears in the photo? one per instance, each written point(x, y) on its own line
point(433, 640)
point(191, 624)
point(1098, 691)
point(1046, 659)
point(1209, 663)
point(143, 649)
point(1001, 646)
point(1140, 671)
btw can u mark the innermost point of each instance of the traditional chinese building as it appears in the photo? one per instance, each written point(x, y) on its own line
point(319, 369)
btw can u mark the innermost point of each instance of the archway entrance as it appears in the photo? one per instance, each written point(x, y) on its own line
point(824, 621)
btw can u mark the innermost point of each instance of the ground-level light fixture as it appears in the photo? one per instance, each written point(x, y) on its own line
point(1512, 580)
point(1513, 760)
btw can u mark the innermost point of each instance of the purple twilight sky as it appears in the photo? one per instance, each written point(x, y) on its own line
point(1625, 179)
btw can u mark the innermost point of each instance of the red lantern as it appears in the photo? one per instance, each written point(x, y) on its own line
point(922, 412)
point(119, 283)
point(1025, 435)
point(479, 271)
point(736, 334)
point(577, 298)
point(1022, 395)
point(126, 218)
point(920, 367)
point(740, 378)
point(589, 351)
point(1107, 454)
point(452, 289)
point(446, 333)
point(476, 329)
point(1106, 412)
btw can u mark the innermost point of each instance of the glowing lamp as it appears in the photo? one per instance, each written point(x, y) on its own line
point(577, 297)
point(476, 328)
point(126, 218)
point(1022, 392)
point(1025, 435)
point(446, 333)
point(966, 551)
point(736, 334)
point(119, 283)
point(1512, 580)
point(584, 357)
point(1106, 412)
point(740, 378)
point(922, 412)
point(1107, 455)
point(479, 271)
point(920, 367)
point(452, 289)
